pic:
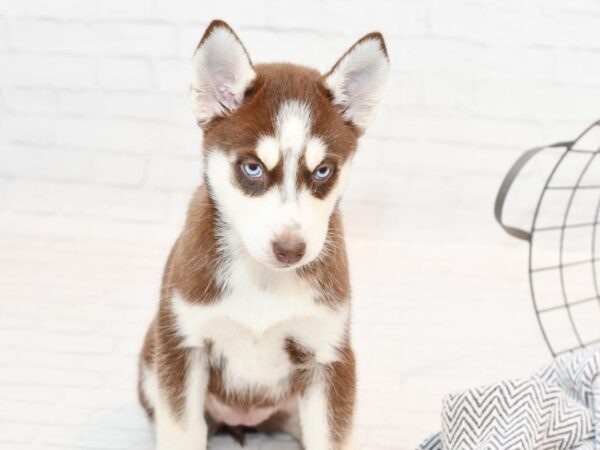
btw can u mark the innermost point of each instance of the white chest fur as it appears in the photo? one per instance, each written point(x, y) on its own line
point(249, 325)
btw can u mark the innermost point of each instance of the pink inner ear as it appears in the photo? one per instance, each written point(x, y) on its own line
point(350, 90)
point(355, 85)
point(352, 85)
point(223, 80)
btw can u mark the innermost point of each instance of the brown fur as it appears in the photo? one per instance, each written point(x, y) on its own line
point(274, 84)
point(330, 270)
point(239, 132)
point(298, 355)
point(190, 269)
point(196, 256)
point(342, 394)
point(259, 185)
point(245, 400)
point(255, 398)
point(146, 359)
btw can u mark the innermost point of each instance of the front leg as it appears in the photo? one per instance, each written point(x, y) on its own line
point(179, 415)
point(327, 406)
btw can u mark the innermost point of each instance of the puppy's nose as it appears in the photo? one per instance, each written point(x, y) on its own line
point(288, 249)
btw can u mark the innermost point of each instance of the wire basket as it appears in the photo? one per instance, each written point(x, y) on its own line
point(564, 242)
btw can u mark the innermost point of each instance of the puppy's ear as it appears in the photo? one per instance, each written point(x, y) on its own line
point(222, 71)
point(357, 80)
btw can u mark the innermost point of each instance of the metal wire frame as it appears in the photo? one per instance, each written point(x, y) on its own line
point(535, 229)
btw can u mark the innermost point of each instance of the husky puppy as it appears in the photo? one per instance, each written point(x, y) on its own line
point(252, 330)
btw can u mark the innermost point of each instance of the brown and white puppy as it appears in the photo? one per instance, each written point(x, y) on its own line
point(253, 324)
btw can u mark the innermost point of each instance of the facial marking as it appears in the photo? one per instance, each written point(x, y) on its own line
point(293, 125)
point(287, 198)
point(267, 150)
point(315, 153)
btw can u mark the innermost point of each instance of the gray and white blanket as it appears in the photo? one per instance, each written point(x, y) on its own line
point(558, 408)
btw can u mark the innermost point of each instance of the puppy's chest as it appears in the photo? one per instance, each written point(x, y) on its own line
point(255, 332)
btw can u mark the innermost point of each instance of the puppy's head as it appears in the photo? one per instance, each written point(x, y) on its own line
point(279, 140)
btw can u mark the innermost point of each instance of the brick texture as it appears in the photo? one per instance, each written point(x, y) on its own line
point(99, 155)
point(473, 83)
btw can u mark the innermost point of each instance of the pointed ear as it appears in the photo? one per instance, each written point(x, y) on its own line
point(357, 80)
point(221, 73)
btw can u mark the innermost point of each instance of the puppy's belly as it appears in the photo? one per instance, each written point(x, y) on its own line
point(232, 416)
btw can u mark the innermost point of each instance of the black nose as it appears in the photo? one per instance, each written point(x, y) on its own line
point(289, 250)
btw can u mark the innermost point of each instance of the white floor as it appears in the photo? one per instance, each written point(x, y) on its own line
point(429, 318)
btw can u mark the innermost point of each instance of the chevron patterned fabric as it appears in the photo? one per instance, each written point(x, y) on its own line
point(558, 408)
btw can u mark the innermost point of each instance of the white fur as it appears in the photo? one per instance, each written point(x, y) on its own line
point(251, 322)
point(262, 306)
point(315, 152)
point(188, 432)
point(257, 221)
point(358, 80)
point(267, 150)
point(221, 74)
point(293, 128)
point(314, 417)
point(150, 385)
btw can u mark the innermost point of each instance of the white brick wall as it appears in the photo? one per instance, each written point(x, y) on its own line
point(94, 119)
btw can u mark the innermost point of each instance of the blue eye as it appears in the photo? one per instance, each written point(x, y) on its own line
point(322, 173)
point(252, 169)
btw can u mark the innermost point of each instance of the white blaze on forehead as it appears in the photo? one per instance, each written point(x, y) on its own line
point(292, 129)
point(315, 152)
point(293, 126)
point(268, 151)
